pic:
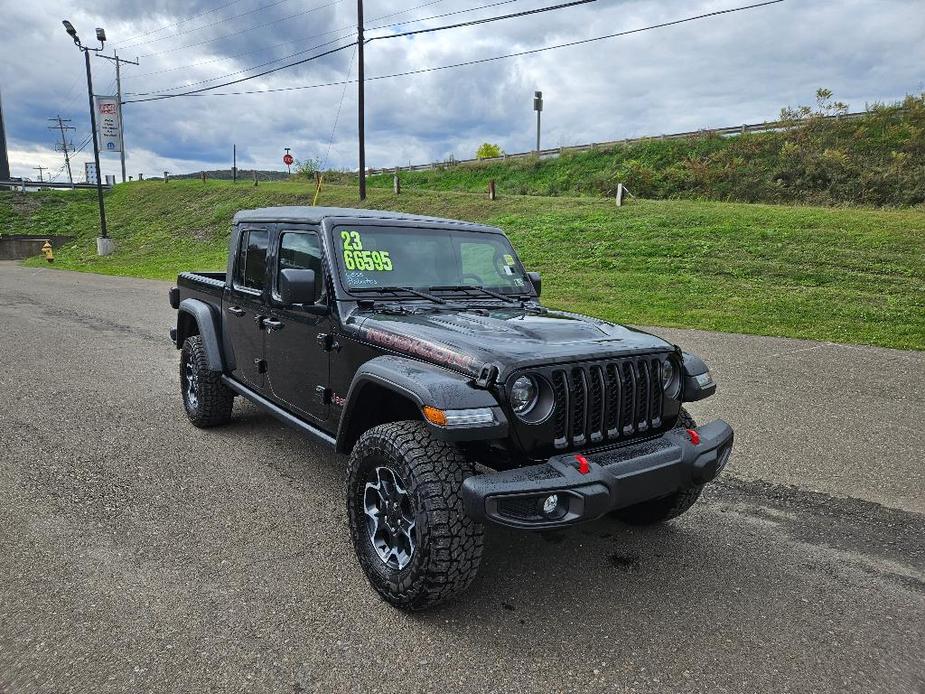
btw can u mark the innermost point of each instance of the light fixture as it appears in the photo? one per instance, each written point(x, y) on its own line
point(524, 395)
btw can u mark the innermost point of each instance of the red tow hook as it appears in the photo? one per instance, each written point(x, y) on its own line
point(694, 436)
point(583, 466)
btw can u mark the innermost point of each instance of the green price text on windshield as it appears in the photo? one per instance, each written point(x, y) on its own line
point(355, 258)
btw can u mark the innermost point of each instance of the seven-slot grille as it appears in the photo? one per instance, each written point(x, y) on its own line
point(606, 400)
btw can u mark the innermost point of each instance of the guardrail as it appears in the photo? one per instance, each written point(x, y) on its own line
point(730, 131)
point(36, 185)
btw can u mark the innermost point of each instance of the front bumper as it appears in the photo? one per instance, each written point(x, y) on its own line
point(611, 480)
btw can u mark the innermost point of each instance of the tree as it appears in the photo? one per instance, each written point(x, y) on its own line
point(307, 167)
point(487, 150)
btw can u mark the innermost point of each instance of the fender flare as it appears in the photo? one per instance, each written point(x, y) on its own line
point(206, 319)
point(423, 384)
point(692, 390)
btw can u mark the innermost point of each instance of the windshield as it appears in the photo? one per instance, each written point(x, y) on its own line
point(370, 257)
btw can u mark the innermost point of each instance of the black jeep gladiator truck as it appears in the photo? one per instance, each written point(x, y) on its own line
point(418, 347)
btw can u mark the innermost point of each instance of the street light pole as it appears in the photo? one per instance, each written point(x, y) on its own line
point(361, 101)
point(96, 149)
point(103, 242)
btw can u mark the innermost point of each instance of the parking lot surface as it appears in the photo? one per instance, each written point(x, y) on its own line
point(138, 553)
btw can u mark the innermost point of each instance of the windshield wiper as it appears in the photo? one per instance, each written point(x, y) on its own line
point(396, 290)
point(475, 287)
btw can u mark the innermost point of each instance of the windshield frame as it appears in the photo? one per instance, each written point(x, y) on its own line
point(345, 293)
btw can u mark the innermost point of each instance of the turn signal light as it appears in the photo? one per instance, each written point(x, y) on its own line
point(434, 415)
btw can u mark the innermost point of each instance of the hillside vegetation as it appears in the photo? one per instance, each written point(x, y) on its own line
point(846, 275)
point(876, 160)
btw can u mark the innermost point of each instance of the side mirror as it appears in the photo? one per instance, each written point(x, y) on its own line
point(297, 286)
point(537, 282)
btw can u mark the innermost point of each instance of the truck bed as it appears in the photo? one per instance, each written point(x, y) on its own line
point(207, 286)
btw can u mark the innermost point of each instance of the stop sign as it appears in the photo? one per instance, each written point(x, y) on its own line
point(287, 159)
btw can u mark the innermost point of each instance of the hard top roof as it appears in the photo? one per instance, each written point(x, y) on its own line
point(314, 215)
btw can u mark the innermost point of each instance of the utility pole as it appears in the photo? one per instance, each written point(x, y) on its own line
point(4, 159)
point(361, 101)
point(40, 169)
point(538, 107)
point(64, 146)
point(103, 242)
point(118, 61)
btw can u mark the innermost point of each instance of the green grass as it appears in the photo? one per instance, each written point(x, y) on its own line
point(845, 275)
point(875, 160)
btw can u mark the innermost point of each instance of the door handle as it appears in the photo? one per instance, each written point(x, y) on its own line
point(236, 310)
point(271, 325)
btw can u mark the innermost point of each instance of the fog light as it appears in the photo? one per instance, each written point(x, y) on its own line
point(550, 503)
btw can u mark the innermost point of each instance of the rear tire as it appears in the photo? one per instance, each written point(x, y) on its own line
point(410, 531)
point(206, 399)
point(667, 507)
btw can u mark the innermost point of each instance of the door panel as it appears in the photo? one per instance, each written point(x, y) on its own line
point(245, 306)
point(297, 362)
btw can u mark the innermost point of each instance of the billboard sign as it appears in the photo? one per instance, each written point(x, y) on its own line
point(108, 123)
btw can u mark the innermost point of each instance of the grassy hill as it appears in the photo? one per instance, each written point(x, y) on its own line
point(876, 160)
point(846, 275)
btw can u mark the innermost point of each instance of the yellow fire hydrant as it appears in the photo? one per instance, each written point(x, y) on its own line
point(48, 253)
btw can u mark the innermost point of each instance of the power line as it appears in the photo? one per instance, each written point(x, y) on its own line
point(61, 125)
point(242, 79)
point(341, 38)
point(177, 23)
point(437, 16)
point(243, 70)
point(485, 20)
point(477, 61)
point(328, 33)
point(324, 162)
point(243, 31)
point(205, 26)
point(408, 33)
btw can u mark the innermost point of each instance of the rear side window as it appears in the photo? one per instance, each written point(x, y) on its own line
point(302, 251)
point(252, 260)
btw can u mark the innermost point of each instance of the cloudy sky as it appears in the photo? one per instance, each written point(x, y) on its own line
point(726, 70)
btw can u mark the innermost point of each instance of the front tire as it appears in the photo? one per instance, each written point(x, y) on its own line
point(206, 399)
point(667, 507)
point(410, 531)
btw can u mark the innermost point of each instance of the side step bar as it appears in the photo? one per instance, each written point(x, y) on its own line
point(278, 412)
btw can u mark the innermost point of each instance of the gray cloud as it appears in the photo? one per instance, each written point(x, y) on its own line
point(735, 68)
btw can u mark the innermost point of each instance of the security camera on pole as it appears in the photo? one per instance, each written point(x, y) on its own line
point(103, 242)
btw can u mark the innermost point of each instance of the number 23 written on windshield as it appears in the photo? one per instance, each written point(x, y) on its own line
point(355, 258)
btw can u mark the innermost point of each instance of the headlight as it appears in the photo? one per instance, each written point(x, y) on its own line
point(667, 374)
point(524, 395)
point(671, 378)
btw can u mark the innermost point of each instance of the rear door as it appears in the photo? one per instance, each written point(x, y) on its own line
point(296, 350)
point(245, 307)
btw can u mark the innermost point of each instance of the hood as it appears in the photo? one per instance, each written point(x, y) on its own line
point(508, 338)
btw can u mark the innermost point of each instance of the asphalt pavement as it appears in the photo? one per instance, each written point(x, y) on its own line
point(139, 554)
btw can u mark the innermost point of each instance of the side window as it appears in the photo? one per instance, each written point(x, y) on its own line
point(252, 260)
point(301, 251)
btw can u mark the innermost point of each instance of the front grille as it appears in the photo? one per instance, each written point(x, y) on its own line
point(607, 401)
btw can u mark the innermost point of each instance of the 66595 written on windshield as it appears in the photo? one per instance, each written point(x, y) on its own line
point(357, 258)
